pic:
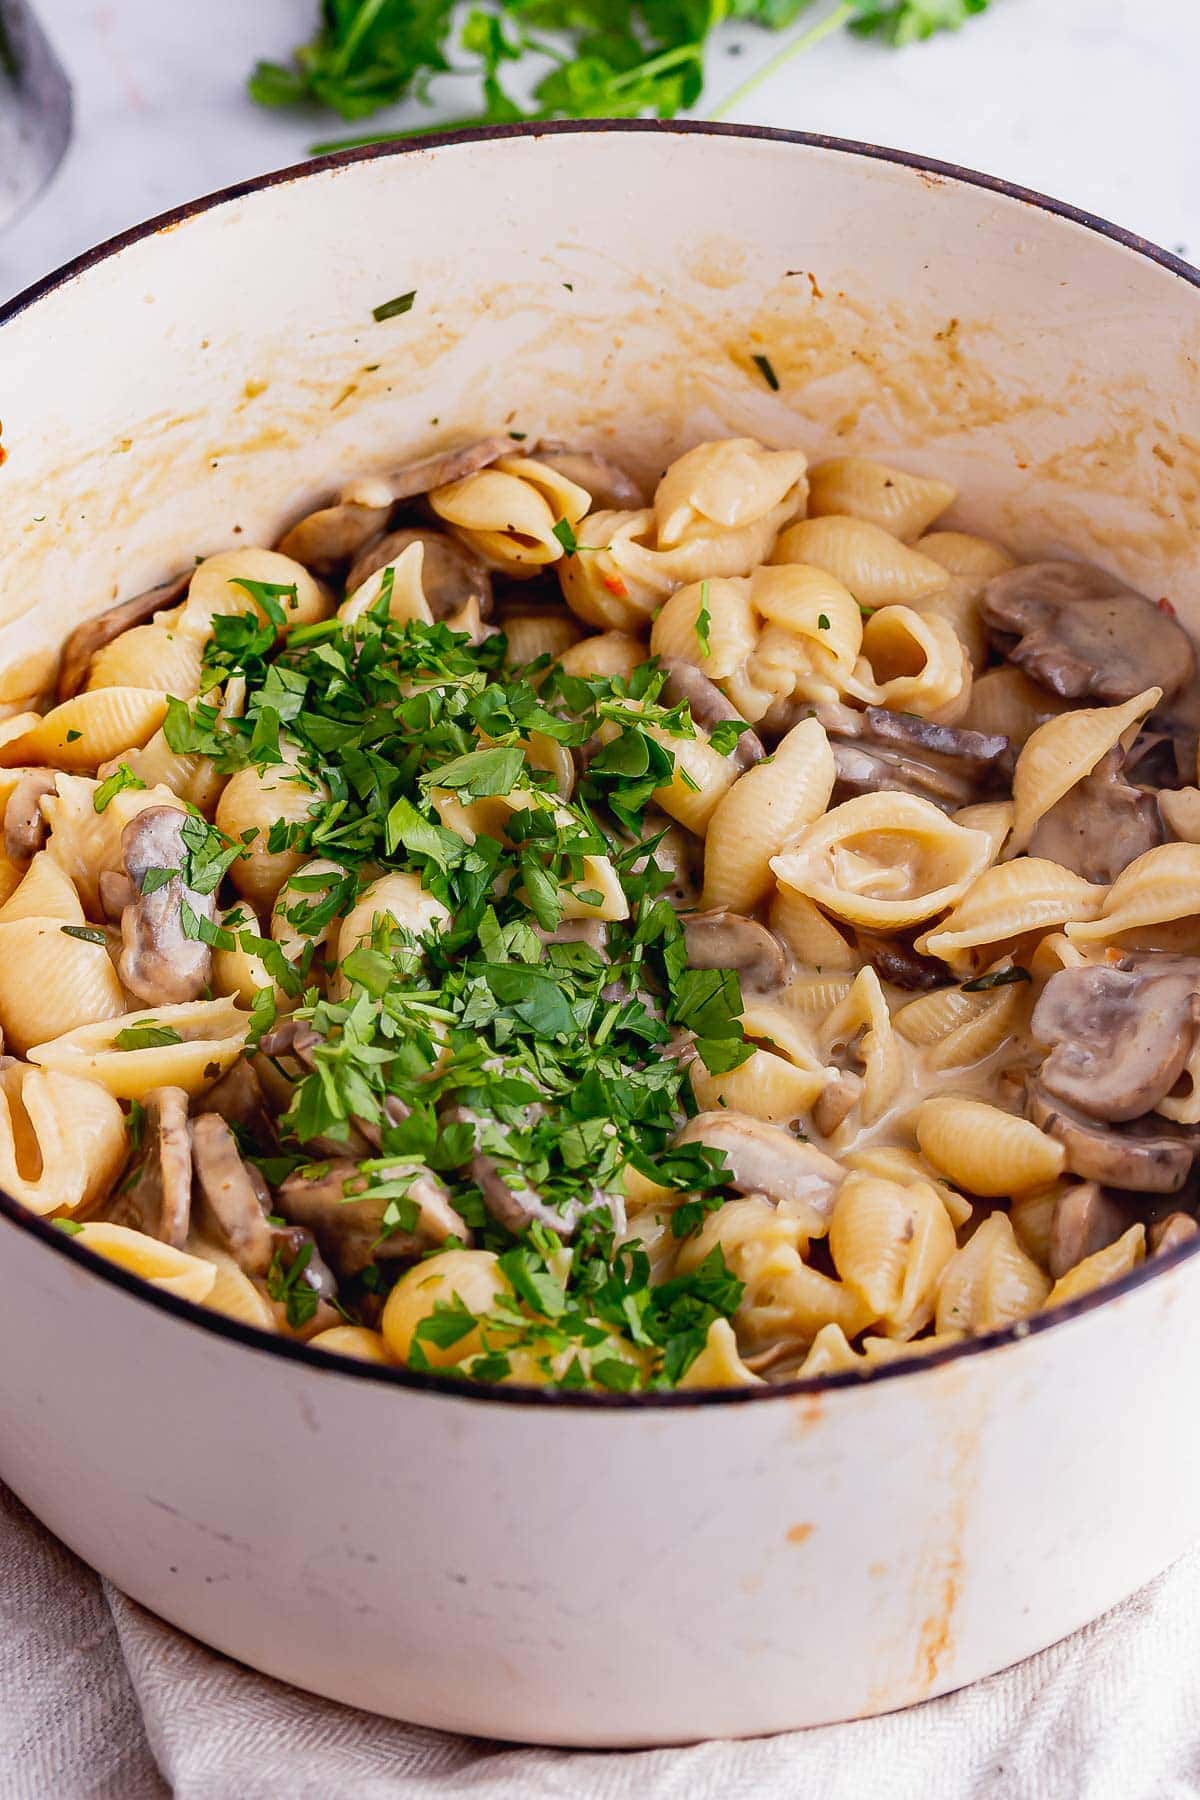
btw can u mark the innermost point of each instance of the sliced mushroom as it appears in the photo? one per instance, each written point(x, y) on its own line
point(293, 1040)
point(592, 932)
point(895, 960)
point(348, 1223)
point(1162, 756)
point(1085, 1219)
point(159, 1198)
point(518, 1206)
point(727, 940)
point(25, 827)
point(1082, 633)
point(159, 963)
point(431, 472)
point(93, 634)
point(1148, 1156)
point(1100, 825)
point(836, 1101)
point(325, 540)
point(116, 892)
point(238, 1097)
point(1118, 1037)
point(1170, 1232)
point(709, 707)
point(611, 489)
point(768, 1160)
point(877, 750)
point(452, 576)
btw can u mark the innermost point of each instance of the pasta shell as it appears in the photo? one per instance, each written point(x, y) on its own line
point(902, 504)
point(763, 810)
point(233, 1293)
point(961, 553)
point(958, 1029)
point(84, 842)
point(815, 997)
point(767, 1086)
point(148, 656)
point(984, 1150)
point(508, 512)
point(719, 1365)
point(783, 1297)
point(1159, 886)
point(990, 1282)
point(994, 817)
point(831, 1353)
point(172, 1271)
point(891, 1242)
point(531, 635)
point(1006, 703)
point(51, 983)
point(719, 644)
point(89, 729)
point(254, 800)
point(1061, 752)
point(808, 934)
point(352, 1340)
point(62, 1142)
point(1032, 1216)
point(398, 897)
point(725, 484)
point(211, 1033)
point(1180, 809)
point(1012, 898)
point(877, 568)
point(214, 591)
point(957, 603)
point(611, 653)
point(811, 604)
point(44, 892)
point(863, 1019)
point(917, 664)
point(406, 597)
point(1101, 1267)
point(895, 1163)
point(885, 860)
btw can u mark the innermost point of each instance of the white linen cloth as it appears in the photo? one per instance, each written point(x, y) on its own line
point(101, 1701)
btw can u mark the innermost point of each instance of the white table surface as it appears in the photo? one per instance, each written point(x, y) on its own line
point(1093, 101)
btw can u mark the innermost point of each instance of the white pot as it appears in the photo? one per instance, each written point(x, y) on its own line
point(577, 1569)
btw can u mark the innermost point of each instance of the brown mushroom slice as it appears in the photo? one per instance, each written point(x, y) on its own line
point(709, 707)
point(1147, 1156)
point(1169, 1233)
point(1100, 825)
point(1082, 633)
point(348, 1223)
point(727, 940)
point(878, 750)
point(610, 488)
point(836, 1101)
point(452, 576)
point(430, 472)
point(1118, 1037)
point(325, 540)
point(238, 1098)
point(25, 827)
point(159, 963)
point(769, 1160)
point(894, 960)
point(1085, 1219)
point(293, 1040)
point(158, 1200)
point(94, 633)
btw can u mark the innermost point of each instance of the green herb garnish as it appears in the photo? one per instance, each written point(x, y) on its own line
point(997, 979)
point(392, 309)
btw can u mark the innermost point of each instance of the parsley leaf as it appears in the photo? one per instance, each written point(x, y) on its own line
point(148, 1036)
point(121, 778)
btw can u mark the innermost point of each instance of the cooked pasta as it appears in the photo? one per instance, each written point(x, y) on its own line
point(536, 933)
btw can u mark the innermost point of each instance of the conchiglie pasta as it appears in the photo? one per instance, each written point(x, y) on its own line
point(904, 505)
point(814, 942)
point(1101, 1267)
point(1028, 894)
point(766, 1085)
point(149, 656)
point(863, 1019)
point(890, 1242)
point(51, 982)
point(471, 1277)
point(726, 484)
point(401, 901)
point(609, 653)
point(961, 553)
point(916, 663)
point(215, 591)
point(401, 581)
point(1006, 703)
point(985, 1150)
point(877, 568)
point(534, 634)
point(990, 1282)
point(86, 843)
point(1157, 888)
point(884, 861)
point(719, 1365)
point(711, 624)
point(956, 1029)
point(254, 800)
point(87, 730)
point(352, 1340)
point(507, 513)
point(205, 1037)
point(1062, 752)
point(896, 1163)
point(233, 1293)
point(45, 891)
point(171, 1271)
point(62, 1142)
point(759, 814)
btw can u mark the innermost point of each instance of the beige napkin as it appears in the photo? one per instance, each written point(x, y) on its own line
point(98, 1698)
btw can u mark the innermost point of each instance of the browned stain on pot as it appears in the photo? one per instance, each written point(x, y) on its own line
point(808, 1411)
point(800, 1534)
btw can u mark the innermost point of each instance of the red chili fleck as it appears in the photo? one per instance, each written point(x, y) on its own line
point(616, 586)
point(1164, 606)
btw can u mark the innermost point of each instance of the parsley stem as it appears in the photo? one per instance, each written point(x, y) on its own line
point(806, 40)
point(657, 65)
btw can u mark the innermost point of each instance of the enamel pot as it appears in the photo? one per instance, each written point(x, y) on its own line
point(575, 1569)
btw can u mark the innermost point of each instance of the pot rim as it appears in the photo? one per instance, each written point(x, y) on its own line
point(444, 1384)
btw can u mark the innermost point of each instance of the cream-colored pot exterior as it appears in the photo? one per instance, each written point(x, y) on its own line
point(573, 1570)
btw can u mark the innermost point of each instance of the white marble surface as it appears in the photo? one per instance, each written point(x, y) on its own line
point(1090, 100)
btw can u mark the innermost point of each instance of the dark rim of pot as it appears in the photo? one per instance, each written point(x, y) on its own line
point(445, 1385)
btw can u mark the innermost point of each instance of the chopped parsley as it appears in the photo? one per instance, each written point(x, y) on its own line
point(147, 1036)
point(997, 979)
point(392, 309)
point(121, 778)
point(765, 368)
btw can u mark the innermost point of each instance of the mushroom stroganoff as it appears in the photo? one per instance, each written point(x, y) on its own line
point(531, 929)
